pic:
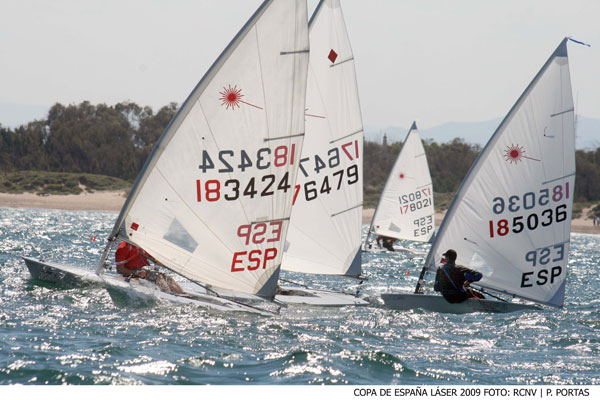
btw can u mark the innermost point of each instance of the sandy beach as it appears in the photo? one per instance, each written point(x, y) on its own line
point(101, 201)
point(113, 201)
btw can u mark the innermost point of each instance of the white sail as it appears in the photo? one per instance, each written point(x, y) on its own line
point(213, 200)
point(405, 209)
point(325, 228)
point(511, 217)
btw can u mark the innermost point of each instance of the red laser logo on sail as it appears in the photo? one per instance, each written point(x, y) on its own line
point(232, 97)
point(515, 153)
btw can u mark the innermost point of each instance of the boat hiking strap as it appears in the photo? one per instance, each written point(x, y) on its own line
point(491, 295)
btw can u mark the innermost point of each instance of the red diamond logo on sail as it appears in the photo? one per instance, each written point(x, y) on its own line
point(134, 226)
point(332, 56)
point(401, 175)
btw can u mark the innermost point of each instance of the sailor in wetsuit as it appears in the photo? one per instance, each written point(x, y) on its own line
point(452, 280)
point(388, 242)
point(131, 260)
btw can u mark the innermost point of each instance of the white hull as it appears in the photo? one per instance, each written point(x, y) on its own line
point(61, 274)
point(139, 291)
point(439, 304)
point(143, 292)
point(298, 295)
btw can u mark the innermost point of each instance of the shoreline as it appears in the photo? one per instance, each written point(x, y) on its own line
point(98, 201)
point(114, 200)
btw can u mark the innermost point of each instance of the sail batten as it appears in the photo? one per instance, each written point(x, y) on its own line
point(517, 197)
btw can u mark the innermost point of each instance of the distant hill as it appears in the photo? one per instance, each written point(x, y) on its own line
point(588, 129)
point(588, 132)
point(14, 115)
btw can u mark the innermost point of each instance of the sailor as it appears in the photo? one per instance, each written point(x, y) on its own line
point(388, 242)
point(131, 260)
point(453, 281)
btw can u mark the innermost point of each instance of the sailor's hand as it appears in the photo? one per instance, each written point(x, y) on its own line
point(467, 284)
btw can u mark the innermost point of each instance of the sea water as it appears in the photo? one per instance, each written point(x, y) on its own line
point(53, 335)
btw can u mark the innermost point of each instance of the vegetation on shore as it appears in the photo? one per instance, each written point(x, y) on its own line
point(43, 183)
point(102, 147)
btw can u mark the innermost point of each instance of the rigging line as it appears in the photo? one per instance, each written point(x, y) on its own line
point(420, 155)
point(206, 287)
point(512, 295)
point(216, 294)
point(321, 290)
point(253, 307)
point(347, 136)
point(491, 295)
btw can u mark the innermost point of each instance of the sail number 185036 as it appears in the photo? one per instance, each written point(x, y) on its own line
point(503, 227)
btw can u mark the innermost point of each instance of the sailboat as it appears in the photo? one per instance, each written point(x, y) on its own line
point(405, 209)
point(325, 227)
point(511, 216)
point(213, 200)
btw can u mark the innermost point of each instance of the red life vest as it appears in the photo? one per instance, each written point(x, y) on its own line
point(136, 258)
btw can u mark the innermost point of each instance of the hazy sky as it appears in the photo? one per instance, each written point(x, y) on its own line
point(431, 60)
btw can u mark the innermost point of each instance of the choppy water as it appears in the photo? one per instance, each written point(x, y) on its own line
point(78, 336)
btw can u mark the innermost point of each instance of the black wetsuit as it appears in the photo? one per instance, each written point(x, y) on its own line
point(449, 281)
